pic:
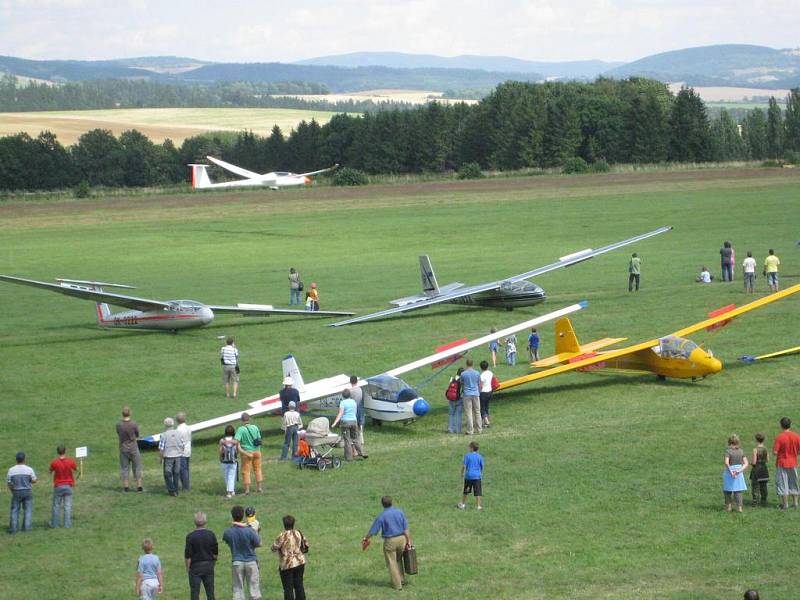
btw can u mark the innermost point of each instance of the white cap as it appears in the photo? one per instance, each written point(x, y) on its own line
point(292, 404)
point(288, 381)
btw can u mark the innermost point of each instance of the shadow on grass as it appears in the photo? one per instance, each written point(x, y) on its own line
point(99, 336)
point(368, 583)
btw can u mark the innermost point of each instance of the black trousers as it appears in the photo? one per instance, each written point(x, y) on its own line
point(759, 492)
point(292, 580)
point(202, 572)
point(633, 277)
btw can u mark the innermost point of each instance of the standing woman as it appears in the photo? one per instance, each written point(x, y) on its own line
point(733, 483)
point(228, 455)
point(485, 392)
point(456, 405)
point(294, 286)
point(290, 545)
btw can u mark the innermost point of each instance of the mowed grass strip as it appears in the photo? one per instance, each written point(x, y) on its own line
point(597, 485)
point(157, 123)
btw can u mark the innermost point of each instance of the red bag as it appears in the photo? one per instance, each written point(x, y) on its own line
point(452, 391)
point(495, 382)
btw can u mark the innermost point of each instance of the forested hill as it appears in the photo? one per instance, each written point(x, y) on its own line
point(736, 65)
point(577, 69)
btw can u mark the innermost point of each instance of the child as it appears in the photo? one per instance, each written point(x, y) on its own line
point(533, 345)
point(511, 350)
point(303, 449)
point(493, 346)
point(250, 513)
point(472, 472)
point(759, 476)
point(149, 580)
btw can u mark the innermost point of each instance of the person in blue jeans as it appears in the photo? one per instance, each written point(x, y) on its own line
point(20, 480)
point(472, 472)
point(533, 345)
point(456, 406)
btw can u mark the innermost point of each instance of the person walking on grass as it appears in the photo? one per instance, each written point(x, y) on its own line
point(290, 545)
point(129, 457)
point(228, 459)
point(634, 271)
point(786, 449)
point(470, 387)
point(393, 527)
point(229, 357)
point(243, 541)
point(771, 264)
point(494, 346)
point(249, 438)
point(759, 475)
point(347, 417)
point(62, 469)
point(486, 391)
point(472, 474)
point(533, 345)
point(170, 447)
point(733, 484)
point(149, 578)
point(20, 480)
point(200, 555)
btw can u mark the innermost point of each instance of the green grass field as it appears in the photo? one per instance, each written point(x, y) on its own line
point(157, 123)
point(598, 485)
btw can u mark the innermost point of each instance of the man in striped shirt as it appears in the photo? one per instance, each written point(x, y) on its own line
point(20, 480)
point(229, 356)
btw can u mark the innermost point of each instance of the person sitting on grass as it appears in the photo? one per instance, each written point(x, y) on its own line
point(705, 276)
point(472, 473)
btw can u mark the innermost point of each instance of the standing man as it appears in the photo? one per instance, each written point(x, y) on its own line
point(20, 480)
point(62, 469)
point(470, 386)
point(357, 394)
point(348, 416)
point(129, 457)
point(726, 261)
point(249, 437)
point(786, 449)
point(634, 271)
point(771, 264)
point(533, 345)
point(294, 286)
point(170, 447)
point(749, 268)
point(229, 357)
point(291, 424)
point(393, 526)
point(200, 553)
point(243, 541)
point(288, 394)
point(185, 433)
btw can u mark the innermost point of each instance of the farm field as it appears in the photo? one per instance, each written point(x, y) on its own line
point(598, 485)
point(157, 123)
point(411, 96)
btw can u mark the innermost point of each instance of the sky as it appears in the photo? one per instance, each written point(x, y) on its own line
point(268, 30)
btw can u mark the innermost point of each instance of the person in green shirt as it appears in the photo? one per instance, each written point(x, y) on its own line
point(634, 271)
point(249, 438)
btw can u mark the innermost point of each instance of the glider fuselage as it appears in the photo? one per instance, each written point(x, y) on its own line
point(509, 295)
point(182, 314)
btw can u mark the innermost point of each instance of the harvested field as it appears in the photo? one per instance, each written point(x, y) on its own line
point(157, 123)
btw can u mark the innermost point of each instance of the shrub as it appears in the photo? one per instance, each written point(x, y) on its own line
point(600, 166)
point(83, 190)
point(575, 165)
point(768, 164)
point(471, 170)
point(792, 157)
point(347, 176)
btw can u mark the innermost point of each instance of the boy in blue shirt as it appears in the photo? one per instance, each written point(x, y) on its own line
point(533, 345)
point(149, 580)
point(472, 472)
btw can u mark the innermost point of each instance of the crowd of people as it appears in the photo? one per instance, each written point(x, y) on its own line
point(749, 265)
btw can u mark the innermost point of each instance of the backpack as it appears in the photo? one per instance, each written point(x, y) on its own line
point(229, 453)
point(495, 383)
point(452, 390)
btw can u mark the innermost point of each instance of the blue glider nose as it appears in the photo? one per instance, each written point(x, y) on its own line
point(420, 407)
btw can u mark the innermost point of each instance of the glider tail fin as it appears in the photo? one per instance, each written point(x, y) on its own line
point(103, 313)
point(566, 340)
point(200, 178)
point(429, 285)
point(290, 369)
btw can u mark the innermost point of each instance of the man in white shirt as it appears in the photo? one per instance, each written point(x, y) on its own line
point(292, 422)
point(170, 446)
point(186, 437)
point(229, 356)
point(749, 266)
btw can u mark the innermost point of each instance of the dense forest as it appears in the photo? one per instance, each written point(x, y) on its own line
point(519, 125)
point(125, 93)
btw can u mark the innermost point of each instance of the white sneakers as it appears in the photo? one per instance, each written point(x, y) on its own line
point(461, 506)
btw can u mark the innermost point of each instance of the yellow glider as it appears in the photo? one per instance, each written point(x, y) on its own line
point(669, 356)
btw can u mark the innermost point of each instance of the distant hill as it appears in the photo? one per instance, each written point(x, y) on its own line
point(581, 69)
point(70, 70)
point(729, 65)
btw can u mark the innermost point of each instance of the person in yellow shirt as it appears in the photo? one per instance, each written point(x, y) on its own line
point(771, 264)
point(312, 298)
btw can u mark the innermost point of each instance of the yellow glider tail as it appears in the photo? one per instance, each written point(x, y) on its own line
point(568, 347)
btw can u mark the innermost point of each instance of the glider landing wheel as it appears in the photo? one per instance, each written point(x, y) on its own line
point(377, 422)
point(321, 465)
point(662, 378)
point(336, 462)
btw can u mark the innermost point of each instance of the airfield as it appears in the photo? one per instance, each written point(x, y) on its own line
point(597, 485)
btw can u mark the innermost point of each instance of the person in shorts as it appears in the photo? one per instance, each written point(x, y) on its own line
point(149, 579)
point(229, 357)
point(472, 472)
point(771, 264)
point(786, 449)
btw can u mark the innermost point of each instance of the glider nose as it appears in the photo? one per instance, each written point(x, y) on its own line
point(206, 315)
point(715, 365)
point(420, 407)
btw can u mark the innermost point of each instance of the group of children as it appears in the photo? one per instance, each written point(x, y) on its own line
point(510, 344)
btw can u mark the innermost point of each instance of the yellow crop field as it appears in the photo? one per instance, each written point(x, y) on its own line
point(157, 123)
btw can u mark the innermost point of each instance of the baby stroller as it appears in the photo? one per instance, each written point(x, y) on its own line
point(321, 443)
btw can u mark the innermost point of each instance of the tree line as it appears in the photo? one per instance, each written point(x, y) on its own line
point(519, 125)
